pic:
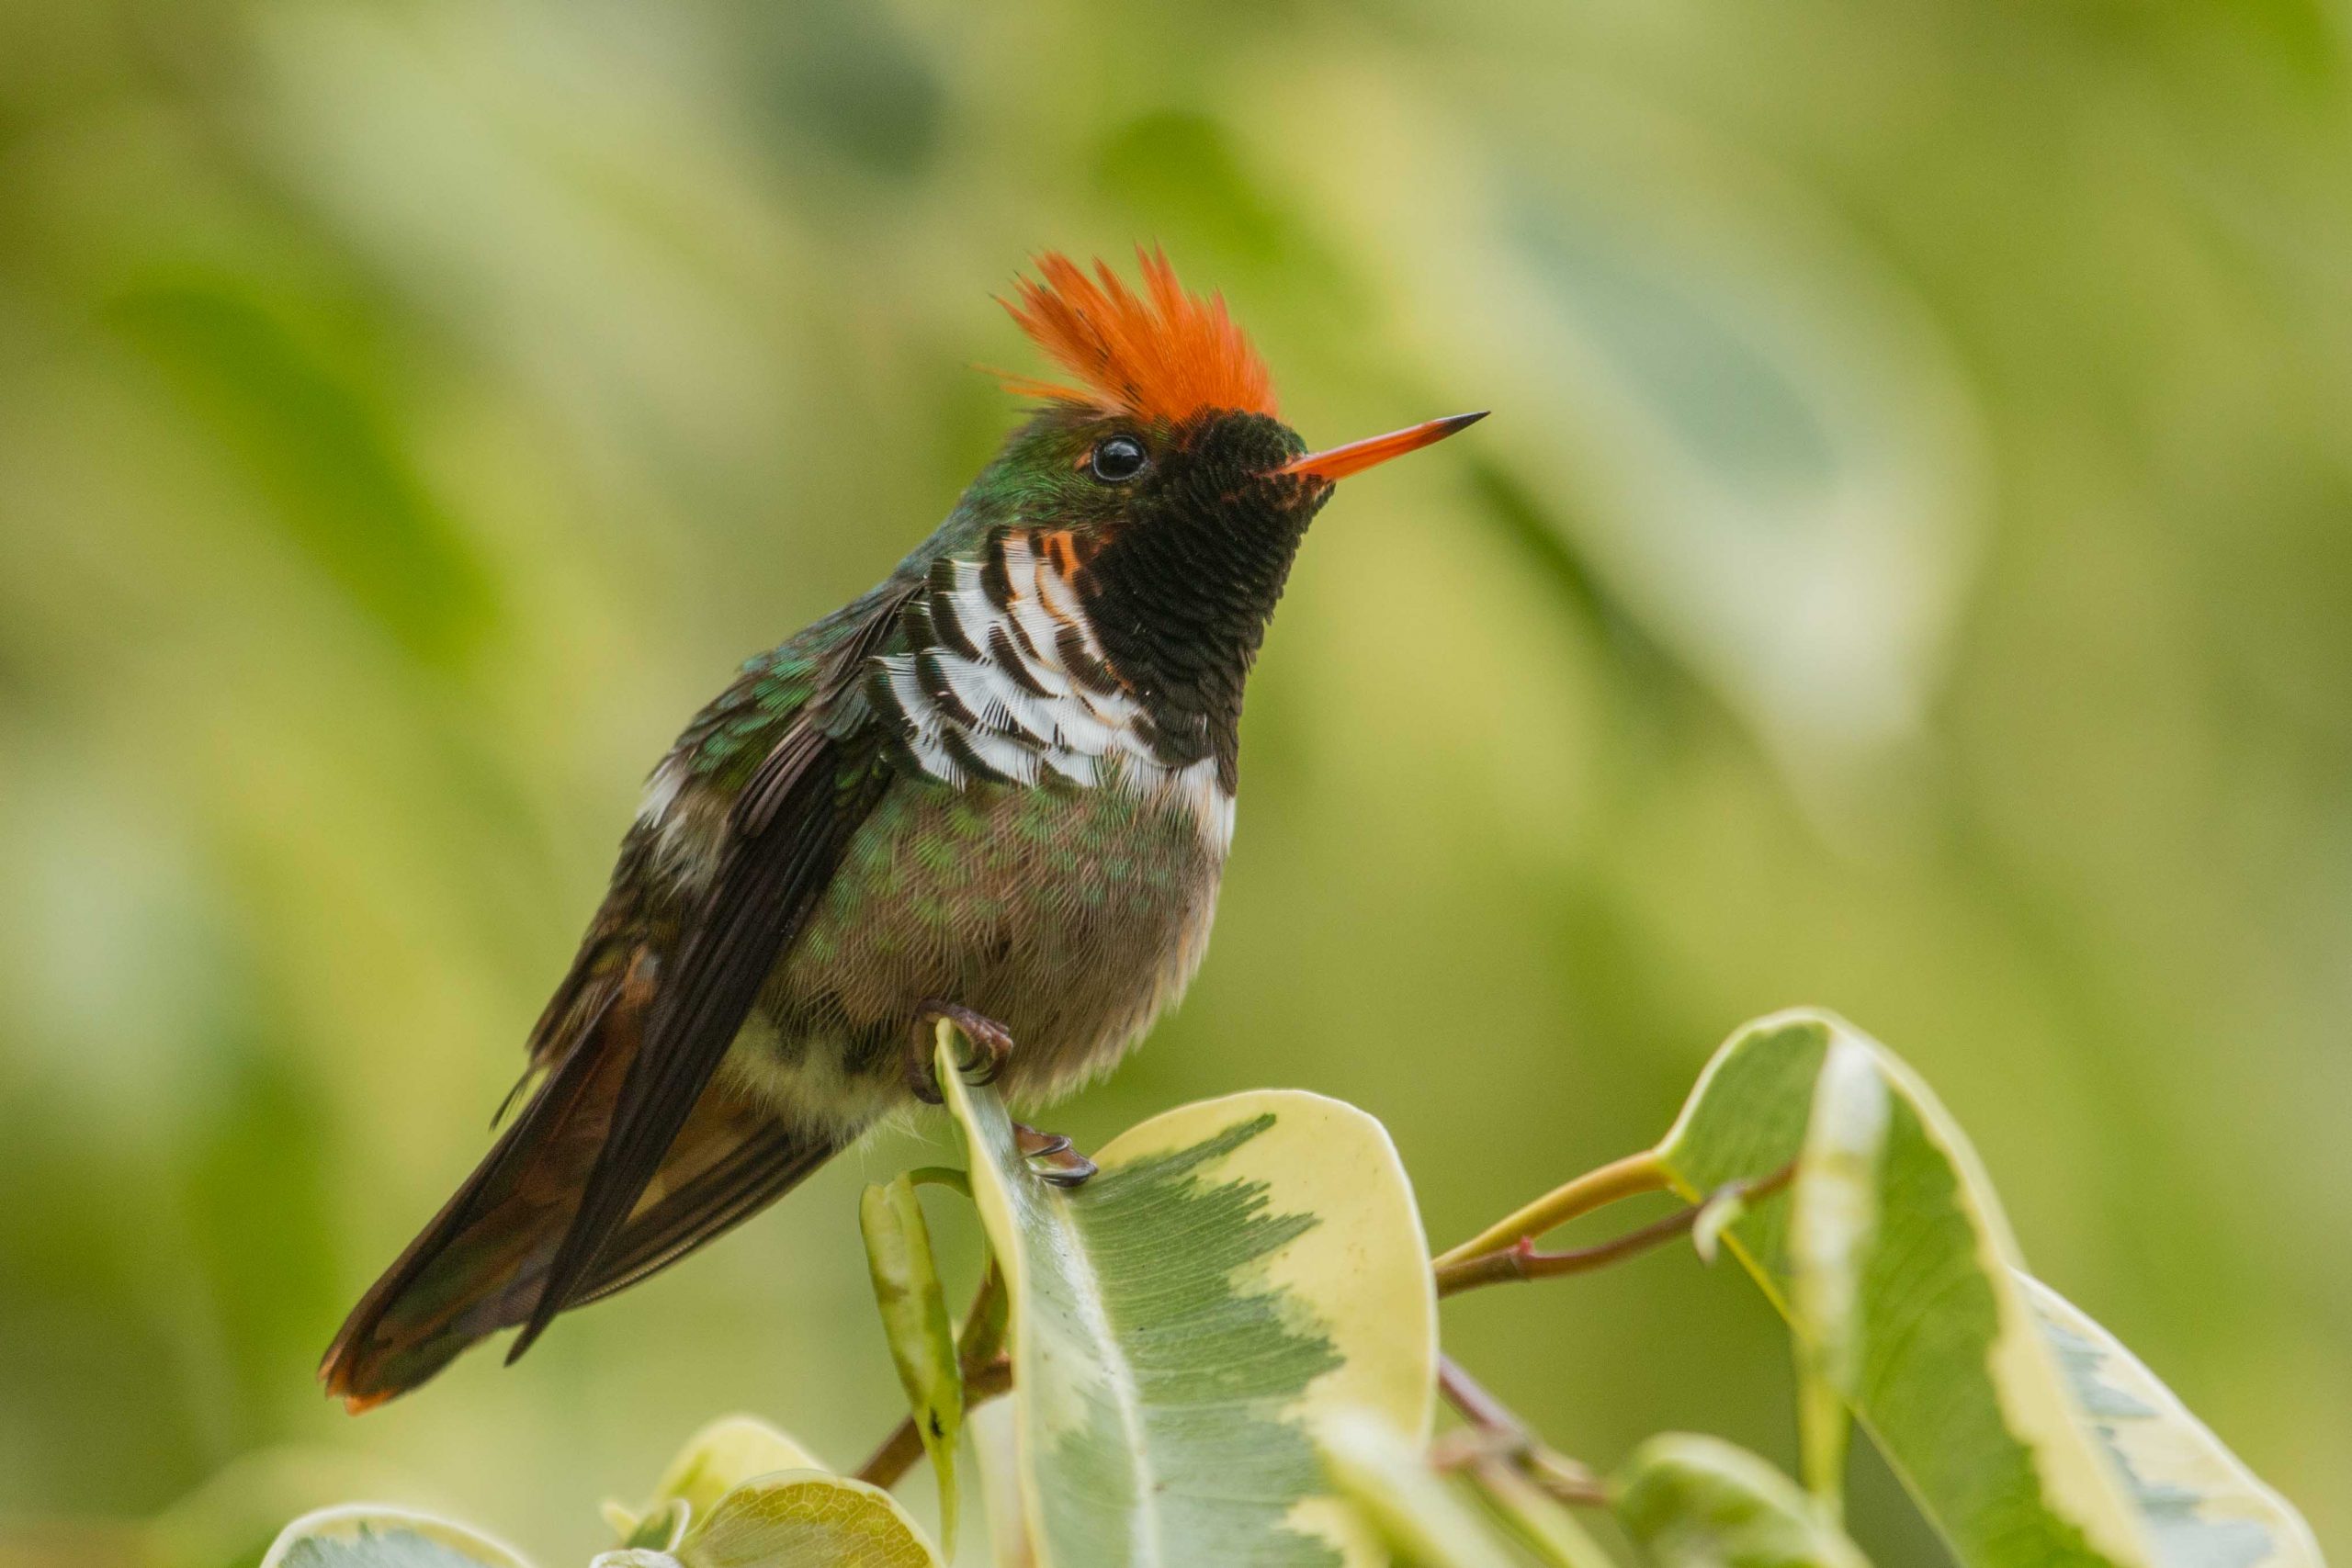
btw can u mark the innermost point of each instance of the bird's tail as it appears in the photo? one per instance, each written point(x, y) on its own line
point(482, 1263)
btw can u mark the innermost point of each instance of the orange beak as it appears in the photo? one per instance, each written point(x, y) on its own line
point(1336, 463)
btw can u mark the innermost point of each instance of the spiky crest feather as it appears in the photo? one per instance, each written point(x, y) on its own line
point(1166, 355)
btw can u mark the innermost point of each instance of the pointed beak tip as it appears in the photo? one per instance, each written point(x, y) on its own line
point(1335, 463)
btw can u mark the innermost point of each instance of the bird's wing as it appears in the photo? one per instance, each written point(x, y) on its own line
point(475, 1268)
point(776, 852)
point(608, 1172)
point(731, 1160)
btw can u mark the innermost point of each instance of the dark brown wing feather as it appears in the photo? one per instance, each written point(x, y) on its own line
point(715, 1179)
point(476, 1268)
point(558, 1214)
point(786, 834)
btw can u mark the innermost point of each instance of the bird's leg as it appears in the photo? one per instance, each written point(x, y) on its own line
point(992, 1042)
point(1051, 1154)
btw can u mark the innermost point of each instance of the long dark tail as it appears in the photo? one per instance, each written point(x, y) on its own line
point(483, 1264)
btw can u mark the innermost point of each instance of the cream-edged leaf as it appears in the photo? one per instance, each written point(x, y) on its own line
point(1698, 1502)
point(2205, 1508)
point(658, 1530)
point(1238, 1268)
point(1833, 1224)
point(367, 1535)
point(721, 1457)
point(1387, 1475)
point(1716, 1215)
point(990, 1427)
point(807, 1518)
point(2006, 1428)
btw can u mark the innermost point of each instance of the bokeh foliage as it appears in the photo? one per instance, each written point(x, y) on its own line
point(1906, 571)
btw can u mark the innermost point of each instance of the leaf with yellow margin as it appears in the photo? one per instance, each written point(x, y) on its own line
point(1388, 1478)
point(1181, 1324)
point(367, 1535)
point(807, 1518)
point(2029, 1435)
point(1698, 1502)
point(723, 1455)
point(742, 1495)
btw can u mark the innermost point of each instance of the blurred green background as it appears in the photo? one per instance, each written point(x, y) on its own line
point(1907, 571)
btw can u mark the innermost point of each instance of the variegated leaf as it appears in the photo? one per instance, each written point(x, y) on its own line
point(1387, 1475)
point(1698, 1502)
point(1238, 1268)
point(807, 1518)
point(2029, 1437)
point(365, 1535)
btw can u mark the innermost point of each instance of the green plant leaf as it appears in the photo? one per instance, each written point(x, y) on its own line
point(367, 1535)
point(1238, 1268)
point(1424, 1520)
point(807, 1518)
point(1541, 1522)
point(993, 1447)
point(715, 1460)
point(1697, 1502)
point(2205, 1508)
point(1387, 1476)
point(915, 1318)
point(659, 1530)
point(1833, 1224)
point(2026, 1433)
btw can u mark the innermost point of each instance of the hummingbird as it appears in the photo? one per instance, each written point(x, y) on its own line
point(998, 789)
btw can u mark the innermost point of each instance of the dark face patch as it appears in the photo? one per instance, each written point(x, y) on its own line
point(1181, 590)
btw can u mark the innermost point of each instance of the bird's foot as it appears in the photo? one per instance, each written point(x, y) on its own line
point(1051, 1156)
point(1048, 1154)
point(991, 1043)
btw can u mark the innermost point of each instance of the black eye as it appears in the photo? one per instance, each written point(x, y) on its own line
point(1117, 459)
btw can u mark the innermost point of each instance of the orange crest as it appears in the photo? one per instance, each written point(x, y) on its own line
point(1165, 355)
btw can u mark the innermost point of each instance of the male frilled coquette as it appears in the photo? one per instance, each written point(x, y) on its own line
point(997, 789)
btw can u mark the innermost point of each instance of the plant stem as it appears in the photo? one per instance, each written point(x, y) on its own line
point(982, 1335)
point(899, 1450)
point(1518, 1259)
point(1502, 1440)
point(1477, 1407)
point(1627, 1177)
point(1545, 1528)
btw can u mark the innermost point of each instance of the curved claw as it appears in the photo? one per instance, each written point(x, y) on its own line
point(991, 1045)
point(993, 1052)
point(922, 1080)
point(1056, 1163)
point(1070, 1169)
